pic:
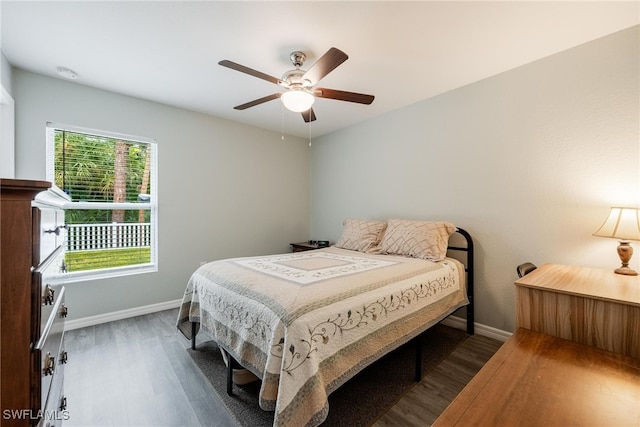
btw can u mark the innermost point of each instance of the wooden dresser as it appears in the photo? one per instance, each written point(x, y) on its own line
point(32, 316)
point(536, 379)
point(588, 305)
point(574, 359)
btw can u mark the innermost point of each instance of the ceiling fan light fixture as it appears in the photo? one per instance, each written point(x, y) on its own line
point(297, 100)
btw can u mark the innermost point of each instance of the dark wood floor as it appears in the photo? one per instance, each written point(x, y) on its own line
point(429, 398)
point(136, 372)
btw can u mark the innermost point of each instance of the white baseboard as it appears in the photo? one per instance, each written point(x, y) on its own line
point(480, 329)
point(452, 321)
point(122, 314)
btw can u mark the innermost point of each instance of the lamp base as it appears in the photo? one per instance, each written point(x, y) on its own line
point(624, 252)
point(626, 271)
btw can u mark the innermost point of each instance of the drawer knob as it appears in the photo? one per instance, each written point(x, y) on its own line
point(63, 357)
point(56, 230)
point(64, 311)
point(48, 295)
point(49, 364)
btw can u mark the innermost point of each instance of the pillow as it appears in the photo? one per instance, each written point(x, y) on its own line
point(417, 239)
point(361, 235)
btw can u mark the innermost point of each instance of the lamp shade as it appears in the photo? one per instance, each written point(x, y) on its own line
point(297, 100)
point(622, 224)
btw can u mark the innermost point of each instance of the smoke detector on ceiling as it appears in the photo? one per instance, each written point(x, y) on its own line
point(67, 73)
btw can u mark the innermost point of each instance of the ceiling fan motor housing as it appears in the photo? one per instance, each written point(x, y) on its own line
point(294, 78)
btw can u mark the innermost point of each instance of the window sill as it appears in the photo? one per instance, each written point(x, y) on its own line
point(86, 276)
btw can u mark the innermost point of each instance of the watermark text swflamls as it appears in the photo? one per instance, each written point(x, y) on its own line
point(30, 414)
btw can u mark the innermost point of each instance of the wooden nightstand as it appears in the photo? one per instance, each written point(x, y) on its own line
point(587, 305)
point(305, 246)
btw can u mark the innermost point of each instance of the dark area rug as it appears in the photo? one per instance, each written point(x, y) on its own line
point(359, 402)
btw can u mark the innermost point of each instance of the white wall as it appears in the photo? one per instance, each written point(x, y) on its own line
point(528, 161)
point(225, 189)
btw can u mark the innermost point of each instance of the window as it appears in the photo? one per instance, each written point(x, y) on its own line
point(111, 221)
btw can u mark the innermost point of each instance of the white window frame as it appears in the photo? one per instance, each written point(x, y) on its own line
point(152, 205)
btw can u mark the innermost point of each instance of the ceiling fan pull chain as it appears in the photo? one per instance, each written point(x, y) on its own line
point(282, 120)
point(309, 134)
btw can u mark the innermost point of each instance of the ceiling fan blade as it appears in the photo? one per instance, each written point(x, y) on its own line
point(323, 66)
point(250, 71)
point(257, 101)
point(342, 95)
point(309, 115)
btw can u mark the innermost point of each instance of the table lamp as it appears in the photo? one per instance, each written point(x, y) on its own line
point(622, 224)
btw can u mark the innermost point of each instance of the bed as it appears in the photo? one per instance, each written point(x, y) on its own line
point(307, 322)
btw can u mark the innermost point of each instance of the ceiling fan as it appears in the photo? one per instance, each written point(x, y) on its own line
point(300, 91)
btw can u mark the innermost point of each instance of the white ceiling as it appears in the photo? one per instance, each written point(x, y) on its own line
point(401, 52)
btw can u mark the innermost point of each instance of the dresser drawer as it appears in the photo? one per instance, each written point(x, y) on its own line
point(56, 411)
point(47, 283)
point(49, 356)
point(53, 231)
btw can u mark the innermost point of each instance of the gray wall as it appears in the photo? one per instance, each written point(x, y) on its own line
point(528, 161)
point(225, 189)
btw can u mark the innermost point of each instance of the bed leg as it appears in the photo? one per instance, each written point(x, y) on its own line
point(229, 373)
point(193, 335)
point(470, 317)
point(418, 344)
